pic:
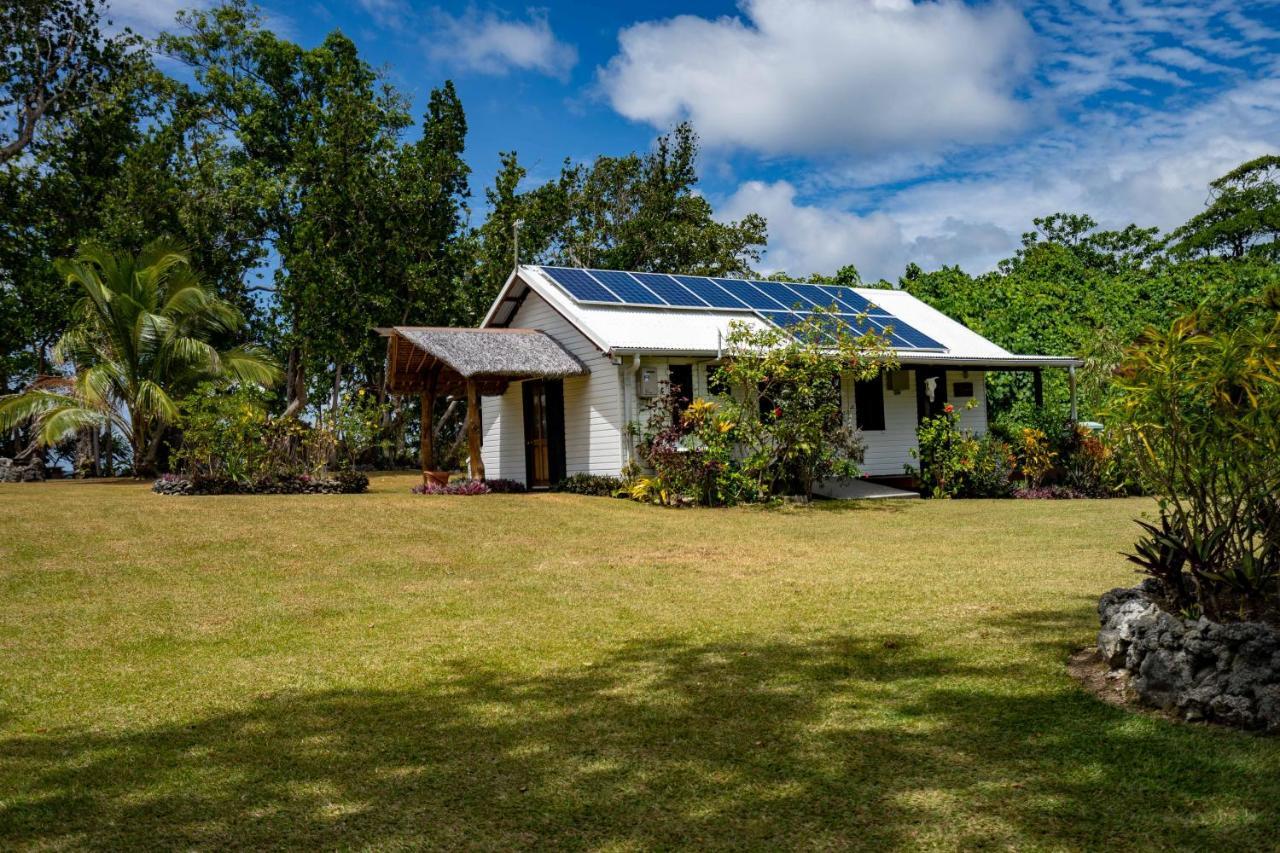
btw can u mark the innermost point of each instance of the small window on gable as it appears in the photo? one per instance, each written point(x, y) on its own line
point(868, 402)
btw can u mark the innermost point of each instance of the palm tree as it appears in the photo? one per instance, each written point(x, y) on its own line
point(140, 339)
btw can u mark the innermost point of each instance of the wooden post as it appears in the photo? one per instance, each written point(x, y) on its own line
point(427, 444)
point(1037, 387)
point(473, 430)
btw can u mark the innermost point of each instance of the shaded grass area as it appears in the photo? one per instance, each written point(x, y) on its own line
point(399, 671)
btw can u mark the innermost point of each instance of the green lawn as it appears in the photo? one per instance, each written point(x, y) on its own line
point(389, 670)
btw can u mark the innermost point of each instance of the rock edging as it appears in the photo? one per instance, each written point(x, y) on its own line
point(1200, 670)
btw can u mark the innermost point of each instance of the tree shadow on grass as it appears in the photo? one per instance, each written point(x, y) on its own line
point(822, 742)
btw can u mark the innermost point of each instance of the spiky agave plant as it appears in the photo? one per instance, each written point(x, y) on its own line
point(141, 337)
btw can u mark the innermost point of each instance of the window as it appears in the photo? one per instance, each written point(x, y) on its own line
point(962, 389)
point(868, 402)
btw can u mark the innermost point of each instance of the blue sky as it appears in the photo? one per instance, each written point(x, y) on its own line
point(876, 133)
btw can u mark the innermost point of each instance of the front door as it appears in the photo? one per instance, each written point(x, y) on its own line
point(543, 432)
point(931, 391)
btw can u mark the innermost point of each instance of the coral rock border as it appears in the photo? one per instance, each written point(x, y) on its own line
point(1196, 669)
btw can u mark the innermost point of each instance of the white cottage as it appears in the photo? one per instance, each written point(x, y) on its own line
point(630, 332)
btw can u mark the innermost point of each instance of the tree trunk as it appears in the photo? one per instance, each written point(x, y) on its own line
point(473, 431)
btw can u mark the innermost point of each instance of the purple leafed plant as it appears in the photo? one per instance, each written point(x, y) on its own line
point(460, 487)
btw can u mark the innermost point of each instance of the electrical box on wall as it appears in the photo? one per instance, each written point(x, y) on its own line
point(649, 382)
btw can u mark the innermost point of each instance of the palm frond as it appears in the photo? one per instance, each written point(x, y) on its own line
point(66, 421)
point(251, 364)
point(153, 401)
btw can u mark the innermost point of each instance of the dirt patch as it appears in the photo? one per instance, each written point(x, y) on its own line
point(1086, 666)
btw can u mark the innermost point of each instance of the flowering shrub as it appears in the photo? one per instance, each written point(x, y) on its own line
point(989, 467)
point(944, 453)
point(356, 425)
point(1035, 458)
point(691, 453)
point(457, 487)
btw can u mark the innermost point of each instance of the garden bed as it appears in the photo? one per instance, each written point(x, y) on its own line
point(341, 483)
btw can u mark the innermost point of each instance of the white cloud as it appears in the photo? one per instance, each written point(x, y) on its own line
point(1154, 171)
point(148, 17)
point(805, 239)
point(488, 44)
point(801, 76)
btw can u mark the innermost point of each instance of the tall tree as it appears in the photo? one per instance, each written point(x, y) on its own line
point(55, 61)
point(636, 212)
point(1243, 214)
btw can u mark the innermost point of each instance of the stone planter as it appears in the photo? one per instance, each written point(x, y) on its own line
point(1197, 669)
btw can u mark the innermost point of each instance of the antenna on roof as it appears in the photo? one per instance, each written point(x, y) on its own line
point(515, 240)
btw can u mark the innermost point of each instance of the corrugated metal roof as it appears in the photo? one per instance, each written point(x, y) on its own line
point(694, 331)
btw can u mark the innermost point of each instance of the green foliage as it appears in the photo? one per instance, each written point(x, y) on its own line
point(54, 64)
point(636, 212)
point(956, 463)
point(594, 485)
point(229, 437)
point(1199, 405)
point(1243, 215)
point(356, 425)
point(785, 404)
point(691, 450)
point(144, 334)
point(943, 452)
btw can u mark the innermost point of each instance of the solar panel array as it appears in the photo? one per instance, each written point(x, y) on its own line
point(783, 304)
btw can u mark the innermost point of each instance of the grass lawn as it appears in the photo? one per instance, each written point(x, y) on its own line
point(390, 670)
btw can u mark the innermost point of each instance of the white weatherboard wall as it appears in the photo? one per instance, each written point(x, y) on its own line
point(592, 406)
point(889, 450)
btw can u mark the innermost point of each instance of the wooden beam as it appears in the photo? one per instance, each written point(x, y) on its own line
point(426, 446)
point(473, 430)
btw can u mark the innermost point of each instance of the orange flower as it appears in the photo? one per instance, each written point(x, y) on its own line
point(948, 408)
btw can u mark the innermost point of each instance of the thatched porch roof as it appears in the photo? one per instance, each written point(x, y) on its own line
point(491, 358)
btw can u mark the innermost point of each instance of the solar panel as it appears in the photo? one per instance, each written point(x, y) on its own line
point(784, 304)
point(786, 293)
point(580, 285)
point(627, 288)
point(669, 289)
point(751, 295)
point(709, 292)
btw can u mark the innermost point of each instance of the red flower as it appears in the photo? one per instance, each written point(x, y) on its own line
point(777, 411)
point(948, 408)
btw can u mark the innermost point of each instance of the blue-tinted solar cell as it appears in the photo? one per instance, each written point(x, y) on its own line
point(913, 337)
point(819, 297)
point(710, 292)
point(845, 298)
point(750, 295)
point(580, 285)
point(627, 288)
point(669, 289)
point(785, 293)
point(782, 319)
